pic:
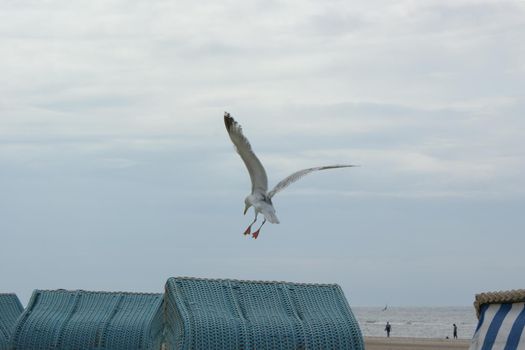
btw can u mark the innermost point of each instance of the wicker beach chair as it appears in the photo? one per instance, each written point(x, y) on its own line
point(82, 320)
point(230, 314)
point(10, 309)
point(501, 321)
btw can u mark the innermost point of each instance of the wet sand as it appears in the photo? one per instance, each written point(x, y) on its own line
point(395, 343)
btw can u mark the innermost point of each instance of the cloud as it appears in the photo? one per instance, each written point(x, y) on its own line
point(111, 126)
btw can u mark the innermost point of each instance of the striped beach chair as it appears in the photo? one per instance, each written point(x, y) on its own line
point(230, 314)
point(10, 309)
point(83, 320)
point(501, 321)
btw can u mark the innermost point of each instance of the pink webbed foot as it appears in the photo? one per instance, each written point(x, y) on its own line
point(248, 230)
point(256, 233)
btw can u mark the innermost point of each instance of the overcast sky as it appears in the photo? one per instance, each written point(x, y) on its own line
point(116, 171)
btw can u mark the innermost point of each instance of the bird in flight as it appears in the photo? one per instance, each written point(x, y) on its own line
point(260, 199)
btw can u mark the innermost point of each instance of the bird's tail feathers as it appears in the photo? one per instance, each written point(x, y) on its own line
point(269, 215)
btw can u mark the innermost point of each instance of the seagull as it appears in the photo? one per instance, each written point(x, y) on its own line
point(260, 199)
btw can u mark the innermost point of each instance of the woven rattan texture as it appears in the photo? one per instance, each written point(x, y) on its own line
point(10, 310)
point(230, 314)
point(78, 320)
point(501, 297)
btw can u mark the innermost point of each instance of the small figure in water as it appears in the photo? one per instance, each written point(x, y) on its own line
point(455, 332)
point(388, 328)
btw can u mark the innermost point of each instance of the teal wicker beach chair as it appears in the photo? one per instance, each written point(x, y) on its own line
point(230, 314)
point(82, 320)
point(10, 309)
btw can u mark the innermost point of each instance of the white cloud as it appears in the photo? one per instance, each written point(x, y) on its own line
point(426, 96)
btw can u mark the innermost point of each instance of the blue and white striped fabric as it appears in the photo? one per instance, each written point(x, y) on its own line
point(500, 327)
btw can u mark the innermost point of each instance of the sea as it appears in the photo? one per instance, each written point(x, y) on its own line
point(417, 322)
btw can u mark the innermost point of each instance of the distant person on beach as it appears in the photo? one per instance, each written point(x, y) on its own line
point(455, 331)
point(388, 328)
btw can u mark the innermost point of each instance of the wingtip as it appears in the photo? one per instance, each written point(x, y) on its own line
point(228, 120)
point(342, 166)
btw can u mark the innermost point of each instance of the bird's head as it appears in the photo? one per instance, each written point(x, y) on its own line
point(247, 205)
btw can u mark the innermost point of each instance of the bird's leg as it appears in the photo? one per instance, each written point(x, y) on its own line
point(249, 228)
point(256, 233)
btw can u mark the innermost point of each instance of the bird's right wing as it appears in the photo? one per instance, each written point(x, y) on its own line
point(299, 174)
point(243, 147)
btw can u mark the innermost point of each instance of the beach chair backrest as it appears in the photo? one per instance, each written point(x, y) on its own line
point(232, 314)
point(10, 310)
point(84, 320)
point(501, 321)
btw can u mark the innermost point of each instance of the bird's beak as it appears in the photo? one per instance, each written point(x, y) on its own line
point(245, 209)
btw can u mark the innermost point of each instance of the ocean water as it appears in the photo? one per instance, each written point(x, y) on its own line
point(417, 322)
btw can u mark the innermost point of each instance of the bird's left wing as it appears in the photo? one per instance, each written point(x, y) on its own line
point(299, 174)
point(243, 147)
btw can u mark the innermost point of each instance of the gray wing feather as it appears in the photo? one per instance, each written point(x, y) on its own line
point(243, 147)
point(299, 174)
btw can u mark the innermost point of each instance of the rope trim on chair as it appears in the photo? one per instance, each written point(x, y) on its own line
point(511, 296)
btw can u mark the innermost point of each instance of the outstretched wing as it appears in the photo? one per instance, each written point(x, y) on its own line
point(242, 146)
point(299, 174)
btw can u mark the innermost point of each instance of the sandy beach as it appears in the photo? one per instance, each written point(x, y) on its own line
point(395, 343)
